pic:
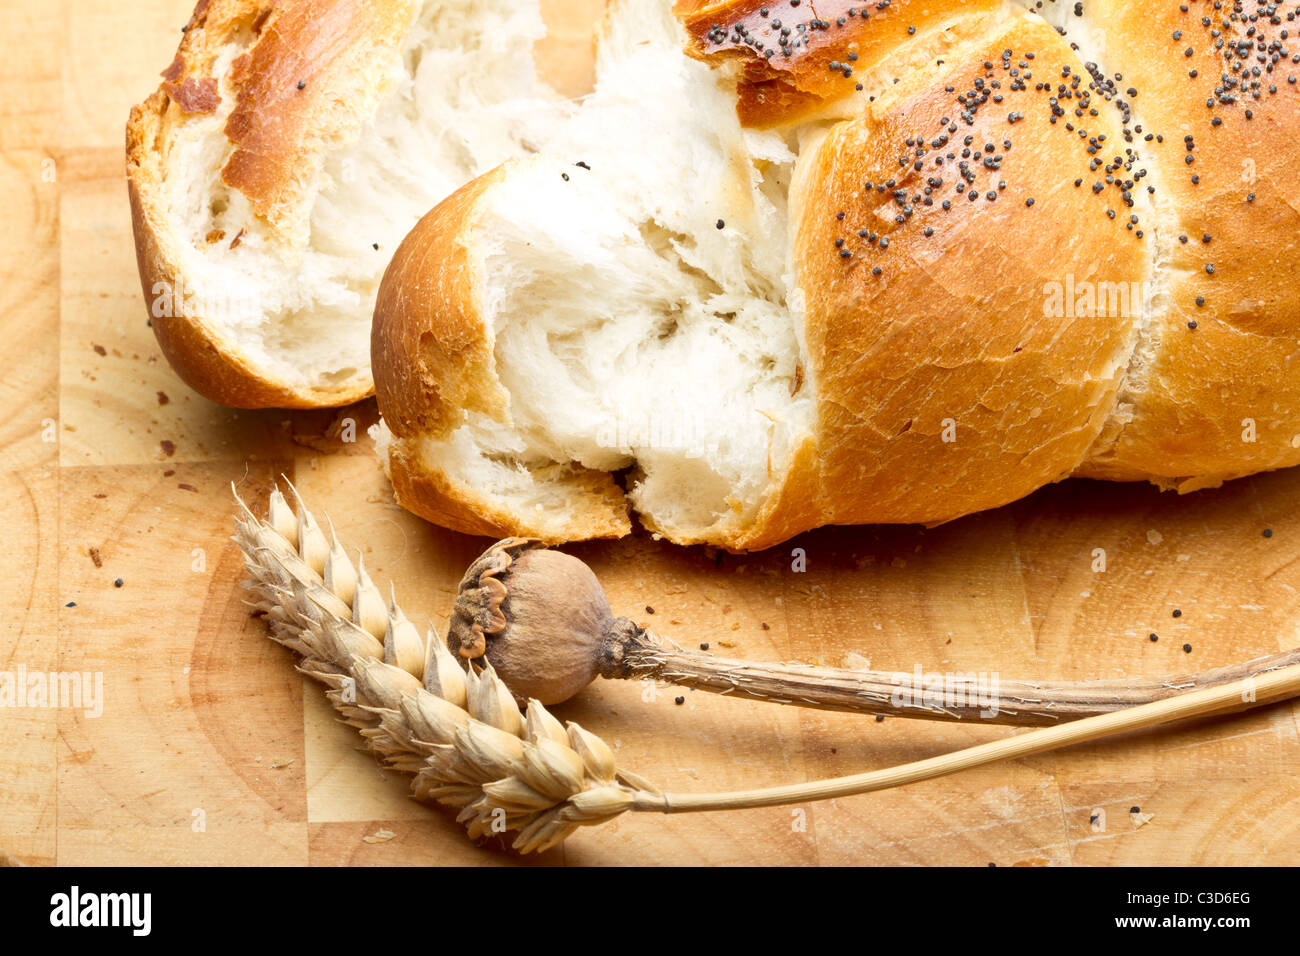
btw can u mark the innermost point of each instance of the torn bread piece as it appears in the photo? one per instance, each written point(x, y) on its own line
point(288, 150)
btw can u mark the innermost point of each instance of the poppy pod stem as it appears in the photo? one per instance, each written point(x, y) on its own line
point(541, 619)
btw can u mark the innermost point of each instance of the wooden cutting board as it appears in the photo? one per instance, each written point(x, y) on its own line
point(210, 749)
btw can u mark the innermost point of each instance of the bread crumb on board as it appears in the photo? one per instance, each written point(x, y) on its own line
point(1138, 818)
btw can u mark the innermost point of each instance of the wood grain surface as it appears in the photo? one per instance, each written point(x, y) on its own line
point(211, 750)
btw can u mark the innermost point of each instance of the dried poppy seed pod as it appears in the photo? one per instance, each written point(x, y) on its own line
point(541, 620)
point(539, 617)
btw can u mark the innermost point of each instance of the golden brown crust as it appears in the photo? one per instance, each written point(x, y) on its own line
point(1222, 400)
point(597, 509)
point(431, 351)
point(437, 498)
point(947, 383)
point(798, 505)
point(306, 86)
point(785, 53)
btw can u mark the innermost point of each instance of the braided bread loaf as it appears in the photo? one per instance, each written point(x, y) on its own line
point(797, 264)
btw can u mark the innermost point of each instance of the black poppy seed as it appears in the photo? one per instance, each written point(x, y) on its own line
point(1191, 324)
point(839, 216)
point(564, 176)
point(302, 84)
point(1134, 809)
point(1029, 203)
point(1200, 301)
point(722, 224)
point(71, 604)
point(1268, 532)
point(649, 609)
point(1177, 613)
point(1187, 648)
point(845, 254)
point(1154, 637)
point(704, 646)
point(679, 701)
point(880, 719)
point(118, 583)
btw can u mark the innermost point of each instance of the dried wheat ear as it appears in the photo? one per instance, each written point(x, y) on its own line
point(455, 727)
